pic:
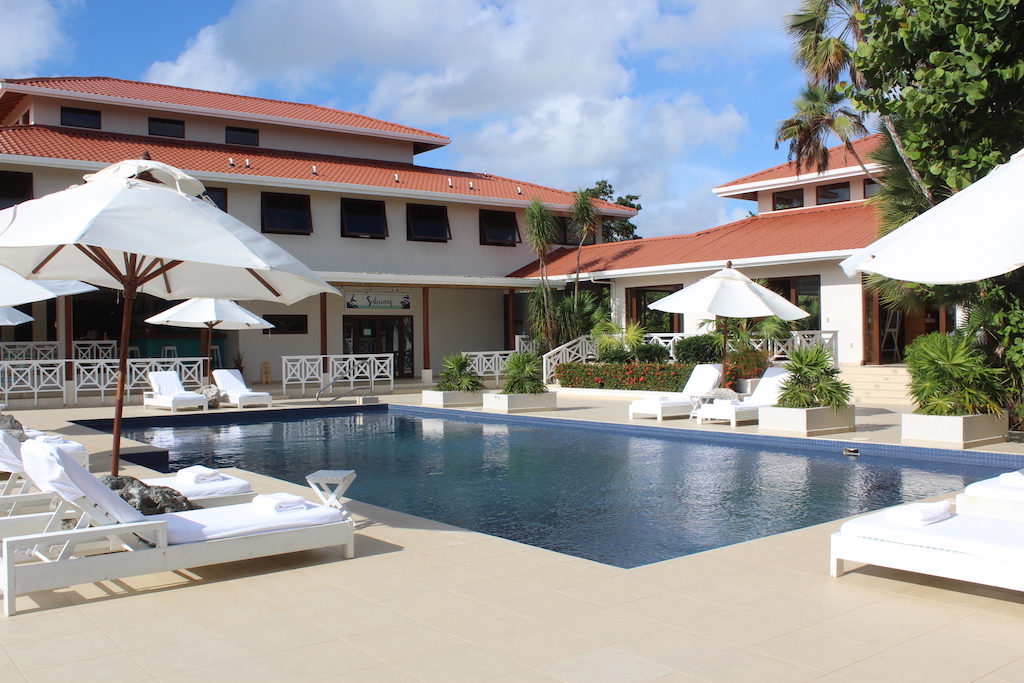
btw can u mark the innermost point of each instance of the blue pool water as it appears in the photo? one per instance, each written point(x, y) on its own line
point(608, 496)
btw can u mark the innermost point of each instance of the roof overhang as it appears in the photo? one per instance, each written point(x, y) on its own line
point(353, 279)
point(422, 143)
point(738, 191)
point(705, 266)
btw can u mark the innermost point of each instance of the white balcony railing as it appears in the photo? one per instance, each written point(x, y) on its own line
point(33, 377)
point(29, 351)
point(579, 349)
point(348, 368)
point(101, 375)
point(489, 364)
point(95, 350)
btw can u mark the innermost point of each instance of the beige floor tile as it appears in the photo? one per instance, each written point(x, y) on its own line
point(462, 664)
point(56, 650)
point(450, 575)
point(737, 628)
point(675, 648)
point(379, 585)
point(671, 609)
point(7, 665)
point(378, 674)
point(164, 631)
point(13, 678)
point(891, 621)
point(113, 667)
point(353, 618)
point(497, 589)
point(481, 623)
point(395, 644)
point(1011, 673)
point(472, 552)
point(165, 659)
point(226, 618)
point(723, 592)
point(431, 603)
point(815, 650)
point(206, 595)
point(538, 644)
point(552, 576)
point(615, 590)
point(608, 625)
point(744, 666)
point(989, 627)
point(322, 661)
point(248, 670)
point(551, 606)
point(49, 624)
point(521, 676)
point(274, 633)
point(605, 665)
point(281, 585)
point(126, 609)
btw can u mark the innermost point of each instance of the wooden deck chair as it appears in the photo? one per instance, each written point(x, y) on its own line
point(168, 392)
point(136, 544)
point(234, 392)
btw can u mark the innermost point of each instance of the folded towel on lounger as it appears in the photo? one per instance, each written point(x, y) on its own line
point(918, 514)
point(1012, 478)
point(725, 402)
point(198, 474)
point(279, 503)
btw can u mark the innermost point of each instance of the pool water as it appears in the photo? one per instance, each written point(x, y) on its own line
point(603, 495)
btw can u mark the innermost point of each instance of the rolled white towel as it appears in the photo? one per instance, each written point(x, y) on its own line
point(919, 514)
point(279, 503)
point(1012, 478)
point(33, 433)
point(49, 438)
point(199, 474)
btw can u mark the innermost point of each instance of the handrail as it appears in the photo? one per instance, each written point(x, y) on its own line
point(579, 349)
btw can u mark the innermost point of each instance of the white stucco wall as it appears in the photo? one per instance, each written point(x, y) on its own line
point(465, 320)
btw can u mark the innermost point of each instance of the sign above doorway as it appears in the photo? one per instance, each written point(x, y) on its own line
point(378, 300)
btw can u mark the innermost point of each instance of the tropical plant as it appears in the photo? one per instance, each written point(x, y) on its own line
point(702, 348)
point(949, 375)
point(618, 229)
point(813, 381)
point(238, 359)
point(748, 363)
point(825, 34)
point(583, 219)
point(565, 320)
point(458, 375)
point(541, 235)
point(651, 353)
point(523, 374)
point(607, 336)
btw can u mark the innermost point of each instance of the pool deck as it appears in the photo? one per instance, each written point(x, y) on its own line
point(423, 601)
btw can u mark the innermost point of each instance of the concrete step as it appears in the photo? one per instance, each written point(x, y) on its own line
point(884, 384)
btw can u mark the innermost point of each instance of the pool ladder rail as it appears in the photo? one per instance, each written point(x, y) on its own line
point(362, 399)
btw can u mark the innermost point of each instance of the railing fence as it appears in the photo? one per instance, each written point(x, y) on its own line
point(347, 368)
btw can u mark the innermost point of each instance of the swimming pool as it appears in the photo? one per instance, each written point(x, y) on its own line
point(609, 495)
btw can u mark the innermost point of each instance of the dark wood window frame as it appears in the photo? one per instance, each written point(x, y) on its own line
point(499, 228)
point(837, 190)
point(364, 218)
point(788, 199)
point(166, 128)
point(287, 324)
point(419, 227)
point(81, 118)
point(235, 135)
point(284, 213)
point(15, 187)
point(219, 196)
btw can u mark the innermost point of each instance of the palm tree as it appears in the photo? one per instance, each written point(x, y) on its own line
point(820, 112)
point(584, 222)
point(541, 235)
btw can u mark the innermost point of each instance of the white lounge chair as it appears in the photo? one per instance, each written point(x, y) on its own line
point(702, 380)
point(168, 392)
point(142, 545)
point(234, 391)
point(766, 393)
point(961, 547)
point(1001, 497)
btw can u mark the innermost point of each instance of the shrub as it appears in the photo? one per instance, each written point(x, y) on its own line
point(458, 375)
point(613, 355)
point(744, 364)
point(524, 374)
point(651, 353)
point(814, 381)
point(704, 348)
point(636, 376)
point(950, 376)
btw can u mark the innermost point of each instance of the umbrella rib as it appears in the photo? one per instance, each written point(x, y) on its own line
point(162, 270)
point(263, 282)
point(42, 264)
point(101, 259)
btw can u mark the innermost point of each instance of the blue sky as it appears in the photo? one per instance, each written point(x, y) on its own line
point(663, 99)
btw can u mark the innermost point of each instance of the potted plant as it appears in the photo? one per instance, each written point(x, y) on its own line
point(813, 400)
point(524, 388)
point(237, 360)
point(743, 368)
point(460, 385)
point(958, 395)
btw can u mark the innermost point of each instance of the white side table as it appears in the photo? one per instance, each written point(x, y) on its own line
point(330, 485)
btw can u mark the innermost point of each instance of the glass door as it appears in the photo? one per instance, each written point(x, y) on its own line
point(382, 334)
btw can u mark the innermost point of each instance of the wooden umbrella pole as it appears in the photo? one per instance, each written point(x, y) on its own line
point(122, 374)
point(208, 351)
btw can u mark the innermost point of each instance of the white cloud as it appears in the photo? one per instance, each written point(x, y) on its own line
point(32, 34)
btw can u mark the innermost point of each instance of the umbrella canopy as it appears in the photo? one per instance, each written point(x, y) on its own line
point(12, 316)
point(208, 314)
point(729, 294)
point(140, 226)
point(16, 290)
point(975, 234)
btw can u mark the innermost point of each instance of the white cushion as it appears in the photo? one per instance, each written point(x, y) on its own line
point(226, 486)
point(995, 488)
point(231, 521)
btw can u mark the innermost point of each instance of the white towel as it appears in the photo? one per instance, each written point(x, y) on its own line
point(1012, 478)
point(198, 474)
point(279, 503)
point(918, 514)
point(50, 438)
point(726, 402)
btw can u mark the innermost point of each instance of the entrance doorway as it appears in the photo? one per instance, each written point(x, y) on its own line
point(381, 334)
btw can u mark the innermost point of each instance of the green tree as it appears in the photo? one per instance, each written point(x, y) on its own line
point(619, 229)
point(541, 235)
point(825, 35)
point(583, 219)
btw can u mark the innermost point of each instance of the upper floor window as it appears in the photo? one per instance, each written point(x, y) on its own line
point(363, 218)
point(870, 188)
point(287, 214)
point(219, 196)
point(498, 228)
point(79, 118)
point(788, 199)
point(15, 187)
point(427, 222)
point(566, 234)
point(168, 128)
point(242, 136)
point(830, 194)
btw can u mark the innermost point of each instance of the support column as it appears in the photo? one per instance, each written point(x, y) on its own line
point(510, 337)
point(65, 337)
point(427, 375)
point(323, 338)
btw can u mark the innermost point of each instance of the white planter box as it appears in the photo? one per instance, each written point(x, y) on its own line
point(520, 403)
point(448, 399)
point(805, 421)
point(954, 431)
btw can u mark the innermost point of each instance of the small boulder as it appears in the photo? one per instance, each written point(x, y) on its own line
point(149, 500)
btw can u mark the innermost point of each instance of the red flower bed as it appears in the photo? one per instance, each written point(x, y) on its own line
point(637, 376)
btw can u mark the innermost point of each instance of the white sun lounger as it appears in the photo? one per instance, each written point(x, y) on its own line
point(1001, 497)
point(703, 380)
point(961, 547)
point(234, 392)
point(168, 392)
point(766, 393)
point(144, 545)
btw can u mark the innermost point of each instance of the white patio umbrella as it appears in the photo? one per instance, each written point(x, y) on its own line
point(208, 314)
point(12, 316)
point(975, 234)
point(729, 294)
point(140, 226)
point(16, 290)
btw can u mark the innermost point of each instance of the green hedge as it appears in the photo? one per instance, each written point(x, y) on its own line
point(638, 376)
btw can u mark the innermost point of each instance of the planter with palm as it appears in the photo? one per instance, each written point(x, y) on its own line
point(460, 385)
point(524, 388)
point(813, 400)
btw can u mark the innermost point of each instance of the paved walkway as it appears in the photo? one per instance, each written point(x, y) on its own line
point(424, 601)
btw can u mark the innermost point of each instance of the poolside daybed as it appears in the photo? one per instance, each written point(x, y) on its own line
point(1001, 497)
point(703, 379)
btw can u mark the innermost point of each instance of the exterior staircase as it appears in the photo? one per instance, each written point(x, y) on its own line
point(880, 384)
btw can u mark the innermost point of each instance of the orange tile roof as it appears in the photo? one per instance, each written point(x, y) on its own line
point(241, 104)
point(839, 157)
point(54, 142)
point(835, 227)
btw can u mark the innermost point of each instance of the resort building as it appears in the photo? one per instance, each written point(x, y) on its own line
point(805, 224)
point(422, 255)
